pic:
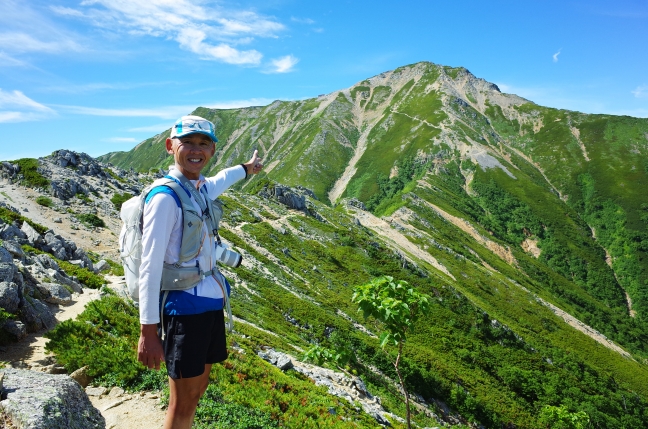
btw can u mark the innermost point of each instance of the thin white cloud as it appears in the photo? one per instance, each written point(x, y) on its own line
point(555, 56)
point(17, 107)
point(209, 32)
point(23, 29)
point(283, 64)
point(302, 20)
point(121, 140)
point(162, 112)
point(151, 128)
point(641, 91)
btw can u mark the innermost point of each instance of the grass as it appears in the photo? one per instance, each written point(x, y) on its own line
point(29, 171)
point(44, 201)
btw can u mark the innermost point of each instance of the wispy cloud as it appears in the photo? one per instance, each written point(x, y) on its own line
point(158, 128)
point(641, 91)
point(120, 140)
point(161, 112)
point(17, 107)
point(23, 29)
point(555, 56)
point(302, 20)
point(209, 32)
point(283, 65)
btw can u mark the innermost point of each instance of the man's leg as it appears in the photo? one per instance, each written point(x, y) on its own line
point(183, 399)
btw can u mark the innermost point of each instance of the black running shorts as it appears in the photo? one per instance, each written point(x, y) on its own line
point(193, 341)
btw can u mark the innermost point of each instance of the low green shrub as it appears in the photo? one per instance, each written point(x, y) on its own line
point(214, 412)
point(44, 201)
point(83, 197)
point(90, 219)
point(116, 268)
point(83, 275)
point(10, 216)
point(103, 337)
point(119, 199)
point(29, 171)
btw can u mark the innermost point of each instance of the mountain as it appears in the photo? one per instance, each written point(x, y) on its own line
point(525, 225)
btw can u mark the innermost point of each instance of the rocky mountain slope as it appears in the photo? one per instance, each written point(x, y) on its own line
point(525, 224)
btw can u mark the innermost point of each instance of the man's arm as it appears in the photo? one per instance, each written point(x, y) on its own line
point(160, 215)
point(219, 183)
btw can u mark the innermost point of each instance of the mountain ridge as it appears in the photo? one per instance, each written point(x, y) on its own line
point(525, 224)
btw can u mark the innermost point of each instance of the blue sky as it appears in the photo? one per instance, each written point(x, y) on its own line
point(98, 76)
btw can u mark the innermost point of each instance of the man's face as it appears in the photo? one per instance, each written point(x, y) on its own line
point(191, 153)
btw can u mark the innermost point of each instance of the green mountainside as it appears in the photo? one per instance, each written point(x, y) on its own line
point(526, 224)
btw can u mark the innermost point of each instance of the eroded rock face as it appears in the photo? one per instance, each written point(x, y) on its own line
point(35, 400)
point(9, 296)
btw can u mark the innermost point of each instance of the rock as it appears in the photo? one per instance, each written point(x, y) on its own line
point(81, 376)
point(13, 248)
point(6, 271)
point(102, 266)
point(354, 202)
point(10, 231)
point(37, 401)
point(47, 262)
point(116, 392)
point(77, 262)
point(95, 391)
point(9, 296)
point(15, 328)
point(5, 256)
point(55, 293)
point(33, 237)
point(36, 315)
point(284, 363)
point(57, 220)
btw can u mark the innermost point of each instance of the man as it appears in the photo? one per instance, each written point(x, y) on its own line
point(192, 322)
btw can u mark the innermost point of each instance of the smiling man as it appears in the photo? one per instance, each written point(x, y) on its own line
point(184, 325)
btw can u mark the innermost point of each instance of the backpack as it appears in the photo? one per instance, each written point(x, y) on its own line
point(174, 276)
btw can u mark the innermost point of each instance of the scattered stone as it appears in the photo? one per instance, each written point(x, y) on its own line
point(81, 376)
point(113, 405)
point(57, 220)
point(95, 391)
point(36, 401)
point(102, 266)
point(116, 392)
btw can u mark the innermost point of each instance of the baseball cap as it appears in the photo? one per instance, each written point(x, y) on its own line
point(193, 124)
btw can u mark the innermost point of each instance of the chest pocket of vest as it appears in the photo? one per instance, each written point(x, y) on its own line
point(192, 236)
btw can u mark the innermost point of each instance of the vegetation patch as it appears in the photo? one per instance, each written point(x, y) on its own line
point(119, 199)
point(44, 201)
point(91, 220)
point(29, 171)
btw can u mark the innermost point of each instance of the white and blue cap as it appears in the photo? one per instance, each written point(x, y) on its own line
point(191, 125)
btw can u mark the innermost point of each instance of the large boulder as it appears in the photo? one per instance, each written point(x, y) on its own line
point(9, 296)
point(46, 262)
point(5, 256)
point(102, 266)
point(15, 328)
point(57, 245)
point(6, 271)
point(33, 237)
point(55, 293)
point(35, 314)
point(35, 400)
point(8, 232)
point(13, 248)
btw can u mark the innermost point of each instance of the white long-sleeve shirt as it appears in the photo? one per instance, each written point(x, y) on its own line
point(161, 240)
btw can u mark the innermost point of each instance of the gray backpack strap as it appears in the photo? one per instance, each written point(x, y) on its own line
point(203, 201)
